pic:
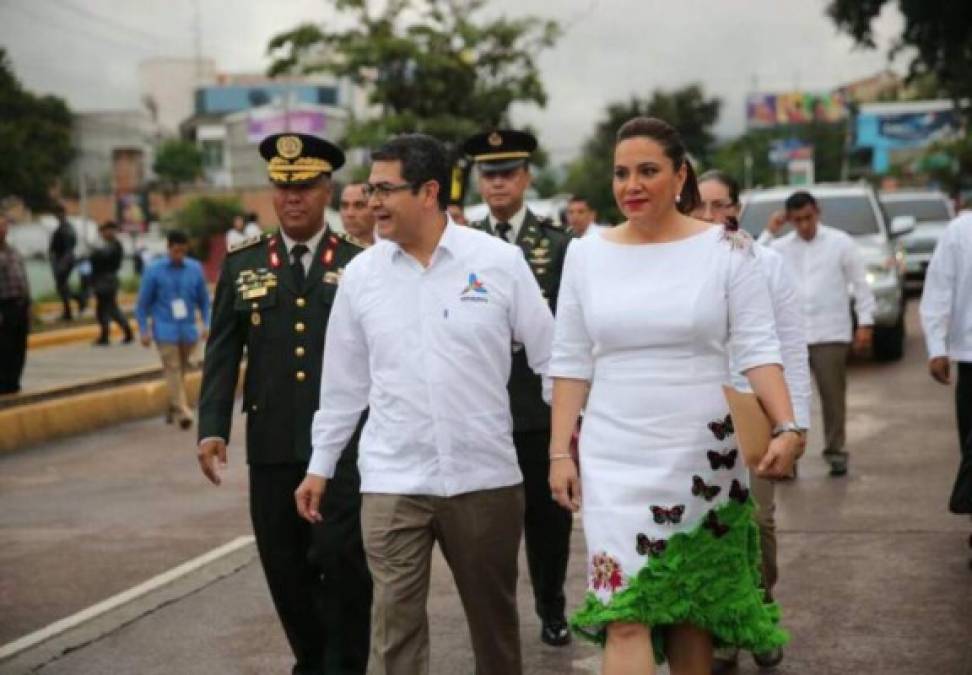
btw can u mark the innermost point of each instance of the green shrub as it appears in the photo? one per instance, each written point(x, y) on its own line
point(203, 217)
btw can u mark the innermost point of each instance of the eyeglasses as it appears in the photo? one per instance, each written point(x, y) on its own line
point(382, 190)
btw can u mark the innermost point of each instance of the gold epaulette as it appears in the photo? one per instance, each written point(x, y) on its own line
point(252, 240)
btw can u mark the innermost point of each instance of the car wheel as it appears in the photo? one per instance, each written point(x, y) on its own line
point(889, 341)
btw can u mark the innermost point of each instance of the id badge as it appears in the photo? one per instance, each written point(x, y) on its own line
point(179, 309)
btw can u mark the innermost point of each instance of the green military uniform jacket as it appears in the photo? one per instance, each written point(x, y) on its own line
point(258, 305)
point(545, 245)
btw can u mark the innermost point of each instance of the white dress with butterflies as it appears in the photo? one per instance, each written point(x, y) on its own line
point(651, 327)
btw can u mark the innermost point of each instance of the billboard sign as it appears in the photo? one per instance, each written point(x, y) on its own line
point(298, 121)
point(797, 107)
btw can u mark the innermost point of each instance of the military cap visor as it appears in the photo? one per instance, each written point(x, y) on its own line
point(500, 150)
point(299, 159)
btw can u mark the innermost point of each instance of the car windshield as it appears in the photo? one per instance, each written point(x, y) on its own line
point(924, 210)
point(851, 213)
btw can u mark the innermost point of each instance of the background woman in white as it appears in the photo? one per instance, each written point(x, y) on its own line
point(649, 314)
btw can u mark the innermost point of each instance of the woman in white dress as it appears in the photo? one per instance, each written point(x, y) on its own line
point(649, 313)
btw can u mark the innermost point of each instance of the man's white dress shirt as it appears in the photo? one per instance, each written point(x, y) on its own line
point(234, 236)
point(427, 350)
point(791, 331)
point(515, 222)
point(824, 267)
point(946, 300)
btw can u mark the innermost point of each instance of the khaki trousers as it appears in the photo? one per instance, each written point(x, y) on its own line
point(175, 362)
point(828, 362)
point(479, 535)
point(764, 493)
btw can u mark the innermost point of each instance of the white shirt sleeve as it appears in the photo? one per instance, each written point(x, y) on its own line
point(345, 384)
point(766, 238)
point(532, 321)
point(791, 329)
point(855, 271)
point(936, 296)
point(572, 346)
point(752, 329)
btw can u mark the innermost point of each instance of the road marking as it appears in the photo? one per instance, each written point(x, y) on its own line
point(63, 625)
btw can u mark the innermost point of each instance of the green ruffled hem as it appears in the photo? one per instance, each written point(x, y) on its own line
point(712, 583)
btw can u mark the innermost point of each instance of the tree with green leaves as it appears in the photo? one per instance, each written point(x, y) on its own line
point(687, 109)
point(937, 32)
point(432, 66)
point(177, 162)
point(35, 141)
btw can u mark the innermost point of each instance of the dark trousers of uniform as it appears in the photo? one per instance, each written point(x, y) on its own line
point(546, 526)
point(317, 574)
point(107, 310)
point(479, 535)
point(14, 326)
point(828, 362)
point(61, 269)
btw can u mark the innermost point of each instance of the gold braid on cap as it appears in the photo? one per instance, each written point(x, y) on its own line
point(302, 168)
point(501, 155)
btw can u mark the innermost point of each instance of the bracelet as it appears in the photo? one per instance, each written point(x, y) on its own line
point(563, 455)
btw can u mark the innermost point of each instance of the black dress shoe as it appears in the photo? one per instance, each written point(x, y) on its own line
point(555, 633)
point(838, 466)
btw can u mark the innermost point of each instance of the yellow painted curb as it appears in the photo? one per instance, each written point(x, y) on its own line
point(36, 423)
point(65, 336)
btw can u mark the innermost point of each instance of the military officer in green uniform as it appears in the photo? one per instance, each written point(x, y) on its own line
point(502, 159)
point(273, 298)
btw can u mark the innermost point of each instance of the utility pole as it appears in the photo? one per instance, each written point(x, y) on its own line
point(197, 35)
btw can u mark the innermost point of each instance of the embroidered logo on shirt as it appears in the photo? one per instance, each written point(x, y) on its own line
point(475, 290)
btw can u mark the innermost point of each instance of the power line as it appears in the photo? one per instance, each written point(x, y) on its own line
point(75, 30)
point(107, 21)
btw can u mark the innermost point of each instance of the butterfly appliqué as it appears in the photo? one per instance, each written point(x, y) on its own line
point(722, 428)
point(738, 492)
point(718, 460)
point(672, 515)
point(712, 524)
point(701, 489)
point(648, 546)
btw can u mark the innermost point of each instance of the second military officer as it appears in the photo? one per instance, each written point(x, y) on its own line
point(502, 158)
point(274, 297)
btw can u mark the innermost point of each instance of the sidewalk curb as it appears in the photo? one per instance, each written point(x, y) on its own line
point(36, 649)
point(35, 423)
point(65, 336)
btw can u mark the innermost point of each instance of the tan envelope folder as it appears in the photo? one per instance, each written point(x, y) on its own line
point(752, 425)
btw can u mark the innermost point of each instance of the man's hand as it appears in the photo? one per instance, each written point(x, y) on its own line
point(782, 453)
point(863, 339)
point(209, 451)
point(308, 497)
point(146, 340)
point(565, 484)
point(939, 368)
point(776, 222)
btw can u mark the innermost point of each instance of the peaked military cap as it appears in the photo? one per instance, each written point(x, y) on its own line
point(501, 149)
point(297, 159)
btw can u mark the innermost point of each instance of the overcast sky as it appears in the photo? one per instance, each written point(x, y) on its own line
point(87, 50)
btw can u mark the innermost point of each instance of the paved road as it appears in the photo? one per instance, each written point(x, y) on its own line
point(874, 577)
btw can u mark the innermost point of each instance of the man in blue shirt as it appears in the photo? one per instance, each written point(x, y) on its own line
point(172, 289)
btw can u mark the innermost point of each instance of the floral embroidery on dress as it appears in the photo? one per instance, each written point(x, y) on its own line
point(605, 572)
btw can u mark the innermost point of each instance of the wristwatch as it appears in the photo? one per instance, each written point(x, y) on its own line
point(784, 427)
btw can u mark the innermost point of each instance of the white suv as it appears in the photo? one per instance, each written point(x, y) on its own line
point(853, 208)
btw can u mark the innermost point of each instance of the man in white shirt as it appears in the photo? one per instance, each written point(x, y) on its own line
point(241, 232)
point(420, 334)
point(946, 317)
point(356, 216)
point(581, 218)
point(825, 262)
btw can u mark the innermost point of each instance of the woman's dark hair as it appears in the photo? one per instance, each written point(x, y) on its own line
point(173, 237)
point(423, 159)
point(668, 137)
point(727, 181)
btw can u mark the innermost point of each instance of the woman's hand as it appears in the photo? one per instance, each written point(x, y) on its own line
point(781, 455)
point(565, 484)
